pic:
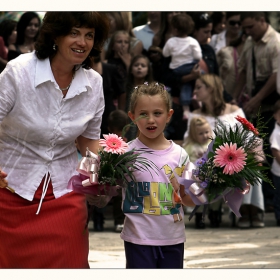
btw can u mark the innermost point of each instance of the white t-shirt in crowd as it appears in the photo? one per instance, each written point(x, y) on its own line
point(182, 51)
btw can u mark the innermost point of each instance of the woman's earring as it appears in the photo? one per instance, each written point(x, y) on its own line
point(54, 47)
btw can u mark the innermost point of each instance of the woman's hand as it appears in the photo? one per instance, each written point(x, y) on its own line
point(3, 181)
point(196, 71)
point(99, 201)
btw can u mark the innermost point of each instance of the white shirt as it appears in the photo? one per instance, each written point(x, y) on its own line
point(182, 51)
point(275, 143)
point(38, 126)
point(218, 41)
point(145, 34)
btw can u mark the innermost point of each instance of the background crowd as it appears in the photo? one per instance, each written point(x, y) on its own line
point(216, 65)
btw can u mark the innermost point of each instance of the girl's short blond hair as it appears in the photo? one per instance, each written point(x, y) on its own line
point(194, 123)
point(150, 89)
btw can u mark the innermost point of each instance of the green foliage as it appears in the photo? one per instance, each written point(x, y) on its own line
point(114, 169)
point(212, 176)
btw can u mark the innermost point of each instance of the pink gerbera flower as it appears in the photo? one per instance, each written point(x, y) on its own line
point(230, 157)
point(112, 143)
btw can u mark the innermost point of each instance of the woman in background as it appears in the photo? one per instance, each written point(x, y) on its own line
point(27, 33)
point(8, 36)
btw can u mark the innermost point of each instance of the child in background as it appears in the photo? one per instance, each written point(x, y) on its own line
point(196, 144)
point(117, 121)
point(200, 133)
point(140, 71)
point(118, 52)
point(185, 53)
point(153, 235)
point(275, 168)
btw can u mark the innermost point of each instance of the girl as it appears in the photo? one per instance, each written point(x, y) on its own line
point(122, 21)
point(27, 33)
point(200, 133)
point(196, 144)
point(118, 52)
point(153, 236)
point(140, 71)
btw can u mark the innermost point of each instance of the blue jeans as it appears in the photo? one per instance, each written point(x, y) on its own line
point(276, 198)
point(187, 88)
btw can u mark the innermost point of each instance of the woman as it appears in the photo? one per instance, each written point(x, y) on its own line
point(8, 35)
point(202, 33)
point(27, 33)
point(231, 32)
point(219, 22)
point(121, 21)
point(51, 97)
point(227, 58)
point(209, 91)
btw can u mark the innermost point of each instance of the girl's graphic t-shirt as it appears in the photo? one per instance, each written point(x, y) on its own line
point(147, 201)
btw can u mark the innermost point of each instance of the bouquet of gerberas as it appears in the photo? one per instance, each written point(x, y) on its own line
point(231, 164)
point(105, 173)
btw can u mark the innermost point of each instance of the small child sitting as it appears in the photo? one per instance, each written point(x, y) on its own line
point(200, 133)
point(196, 144)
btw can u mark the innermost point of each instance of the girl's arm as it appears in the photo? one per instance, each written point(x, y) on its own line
point(186, 199)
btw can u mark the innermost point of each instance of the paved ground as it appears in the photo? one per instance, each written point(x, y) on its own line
point(226, 247)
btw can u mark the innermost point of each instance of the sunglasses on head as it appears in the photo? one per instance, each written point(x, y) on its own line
point(234, 22)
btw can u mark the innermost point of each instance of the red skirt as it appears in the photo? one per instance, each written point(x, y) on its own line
point(55, 238)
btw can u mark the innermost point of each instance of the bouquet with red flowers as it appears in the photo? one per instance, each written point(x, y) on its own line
point(105, 173)
point(231, 164)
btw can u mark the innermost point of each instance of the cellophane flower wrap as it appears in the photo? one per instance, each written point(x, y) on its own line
point(105, 173)
point(232, 163)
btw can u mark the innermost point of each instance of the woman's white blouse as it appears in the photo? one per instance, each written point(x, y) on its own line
point(38, 126)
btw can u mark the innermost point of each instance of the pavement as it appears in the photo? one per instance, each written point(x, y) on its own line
point(226, 247)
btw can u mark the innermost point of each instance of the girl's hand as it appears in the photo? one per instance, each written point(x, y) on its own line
point(125, 57)
point(3, 182)
point(99, 201)
point(186, 199)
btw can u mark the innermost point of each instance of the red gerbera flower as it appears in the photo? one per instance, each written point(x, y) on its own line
point(246, 124)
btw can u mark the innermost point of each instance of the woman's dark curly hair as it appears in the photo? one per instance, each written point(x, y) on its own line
point(7, 27)
point(23, 23)
point(56, 24)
